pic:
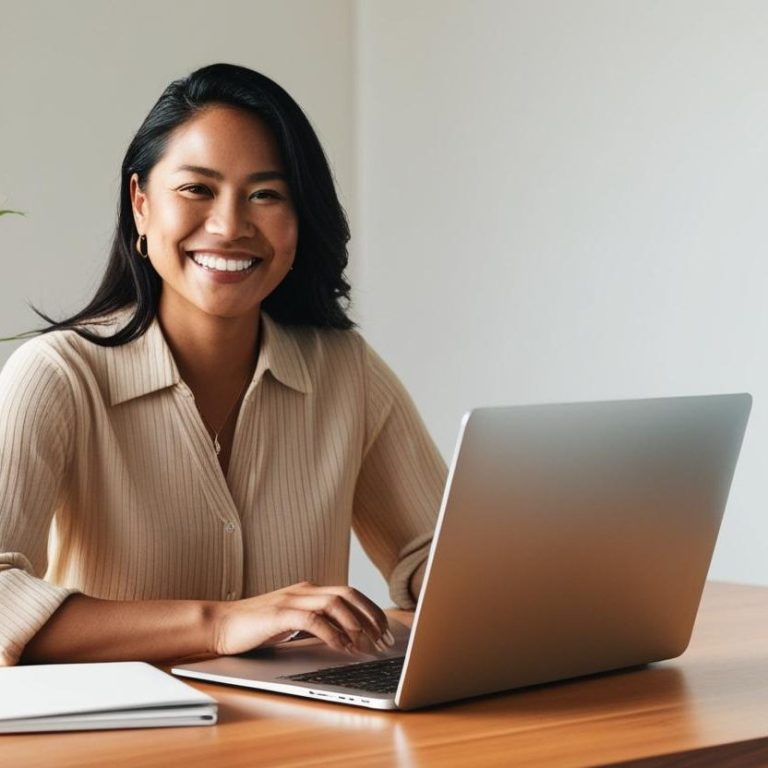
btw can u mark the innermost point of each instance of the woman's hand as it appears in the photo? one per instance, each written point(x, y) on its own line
point(341, 617)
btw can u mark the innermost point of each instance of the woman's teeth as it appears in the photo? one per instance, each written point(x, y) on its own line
point(223, 265)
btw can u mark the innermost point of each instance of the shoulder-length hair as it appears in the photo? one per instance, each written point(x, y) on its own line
point(314, 292)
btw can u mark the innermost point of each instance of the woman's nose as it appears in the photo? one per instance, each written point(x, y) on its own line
point(229, 218)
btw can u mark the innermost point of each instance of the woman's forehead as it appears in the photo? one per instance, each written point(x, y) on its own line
point(223, 139)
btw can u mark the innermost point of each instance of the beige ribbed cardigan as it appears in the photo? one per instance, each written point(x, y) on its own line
point(109, 484)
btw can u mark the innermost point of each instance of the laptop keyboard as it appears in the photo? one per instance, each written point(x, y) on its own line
point(381, 676)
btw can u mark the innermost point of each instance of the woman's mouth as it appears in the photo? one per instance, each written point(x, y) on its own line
point(214, 263)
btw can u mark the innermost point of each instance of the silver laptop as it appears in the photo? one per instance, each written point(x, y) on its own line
point(572, 539)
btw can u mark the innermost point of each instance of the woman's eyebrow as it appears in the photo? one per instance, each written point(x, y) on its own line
point(258, 176)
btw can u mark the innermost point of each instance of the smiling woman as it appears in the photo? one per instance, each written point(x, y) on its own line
point(221, 236)
point(202, 437)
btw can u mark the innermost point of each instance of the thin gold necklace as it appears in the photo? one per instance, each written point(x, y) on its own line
point(217, 432)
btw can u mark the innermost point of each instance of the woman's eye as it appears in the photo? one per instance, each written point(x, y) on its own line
point(261, 194)
point(195, 189)
point(266, 194)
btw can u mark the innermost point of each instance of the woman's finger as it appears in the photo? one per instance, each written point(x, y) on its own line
point(368, 608)
point(344, 615)
point(374, 618)
point(317, 624)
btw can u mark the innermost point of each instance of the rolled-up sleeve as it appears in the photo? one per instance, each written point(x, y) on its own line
point(36, 421)
point(400, 483)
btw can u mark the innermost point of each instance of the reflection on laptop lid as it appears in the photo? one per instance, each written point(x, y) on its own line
point(572, 539)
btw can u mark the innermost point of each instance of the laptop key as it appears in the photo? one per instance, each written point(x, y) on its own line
point(380, 676)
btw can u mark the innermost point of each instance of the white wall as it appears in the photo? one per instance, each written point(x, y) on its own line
point(567, 200)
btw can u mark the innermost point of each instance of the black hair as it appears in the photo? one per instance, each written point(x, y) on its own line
point(314, 292)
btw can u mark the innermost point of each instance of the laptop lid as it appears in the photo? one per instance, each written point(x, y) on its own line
point(572, 539)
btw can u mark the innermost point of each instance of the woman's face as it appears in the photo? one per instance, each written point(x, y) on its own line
point(220, 224)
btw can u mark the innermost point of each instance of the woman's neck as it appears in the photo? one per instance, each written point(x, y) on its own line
point(214, 355)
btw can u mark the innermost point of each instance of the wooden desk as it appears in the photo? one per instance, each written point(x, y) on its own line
point(709, 707)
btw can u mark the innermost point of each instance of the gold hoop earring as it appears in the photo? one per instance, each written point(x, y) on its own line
point(141, 246)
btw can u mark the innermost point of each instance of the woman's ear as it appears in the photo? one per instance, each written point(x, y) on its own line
point(138, 203)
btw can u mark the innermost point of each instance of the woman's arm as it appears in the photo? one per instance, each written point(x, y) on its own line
point(88, 629)
point(399, 486)
point(37, 421)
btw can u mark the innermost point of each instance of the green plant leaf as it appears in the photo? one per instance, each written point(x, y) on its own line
point(20, 213)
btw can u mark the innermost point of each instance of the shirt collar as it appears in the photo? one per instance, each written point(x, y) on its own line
point(280, 354)
point(146, 364)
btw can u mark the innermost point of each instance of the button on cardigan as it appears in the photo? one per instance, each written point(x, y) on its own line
point(110, 485)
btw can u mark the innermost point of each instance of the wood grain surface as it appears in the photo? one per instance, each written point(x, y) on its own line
point(709, 707)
